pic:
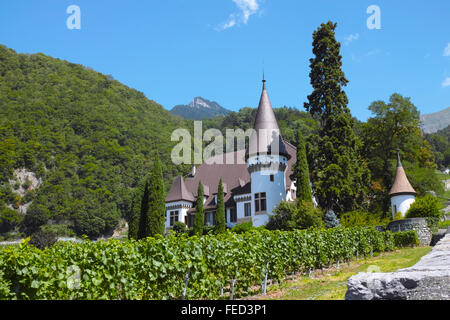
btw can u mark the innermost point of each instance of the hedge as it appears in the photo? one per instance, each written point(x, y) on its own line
point(406, 238)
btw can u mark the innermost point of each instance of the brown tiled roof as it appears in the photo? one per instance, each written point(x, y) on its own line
point(210, 172)
point(401, 184)
point(235, 178)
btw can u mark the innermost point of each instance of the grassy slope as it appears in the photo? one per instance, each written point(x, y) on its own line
point(333, 284)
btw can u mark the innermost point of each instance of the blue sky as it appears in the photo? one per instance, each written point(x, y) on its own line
point(173, 50)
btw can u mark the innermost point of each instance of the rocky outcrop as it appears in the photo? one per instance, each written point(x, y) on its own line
point(23, 182)
point(429, 279)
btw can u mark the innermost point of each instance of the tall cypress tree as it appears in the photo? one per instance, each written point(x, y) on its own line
point(143, 217)
point(199, 218)
point(220, 213)
point(156, 200)
point(301, 171)
point(339, 175)
point(135, 214)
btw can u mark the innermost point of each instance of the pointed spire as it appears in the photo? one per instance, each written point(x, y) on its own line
point(401, 183)
point(264, 80)
point(265, 117)
point(399, 163)
point(267, 137)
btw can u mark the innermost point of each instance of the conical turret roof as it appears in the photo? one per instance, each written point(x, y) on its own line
point(179, 191)
point(265, 117)
point(266, 139)
point(401, 183)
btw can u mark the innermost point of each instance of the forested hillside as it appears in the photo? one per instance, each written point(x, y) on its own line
point(87, 137)
point(74, 144)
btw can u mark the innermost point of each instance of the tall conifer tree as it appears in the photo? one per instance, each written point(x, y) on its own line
point(220, 213)
point(143, 217)
point(156, 200)
point(199, 217)
point(135, 214)
point(339, 176)
point(301, 171)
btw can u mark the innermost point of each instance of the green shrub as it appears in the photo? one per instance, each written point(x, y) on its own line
point(243, 227)
point(433, 223)
point(179, 227)
point(444, 224)
point(9, 219)
point(208, 229)
point(43, 239)
point(60, 230)
point(11, 236)
point(356, 218)
point(398, 216)
point(423, 207)
point(406, 238)
point(295, 215)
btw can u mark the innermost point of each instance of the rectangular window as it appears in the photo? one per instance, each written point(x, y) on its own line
point(260, 202)
point(233, 215)
point(209, 218)
point(173, 217)
point(190, 220)
point(272, 178)
point(247, 210)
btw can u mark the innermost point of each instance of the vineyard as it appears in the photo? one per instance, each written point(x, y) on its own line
point(178, 266)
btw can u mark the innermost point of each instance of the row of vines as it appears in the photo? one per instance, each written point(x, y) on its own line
point(177, 266)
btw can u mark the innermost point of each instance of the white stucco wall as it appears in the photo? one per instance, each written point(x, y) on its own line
point(403, 202)
point(260, 182)
point(181, 206)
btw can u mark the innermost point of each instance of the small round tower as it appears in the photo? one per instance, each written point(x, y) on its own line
point(402, 193)
point(267, 160)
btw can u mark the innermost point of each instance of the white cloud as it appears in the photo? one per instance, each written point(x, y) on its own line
point(231, 23)
point(446, 82)
point(246, 7)
point(350, 38)
point(447, 50)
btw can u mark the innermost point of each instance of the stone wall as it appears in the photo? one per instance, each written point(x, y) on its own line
point(418, 224)
point(428, 279)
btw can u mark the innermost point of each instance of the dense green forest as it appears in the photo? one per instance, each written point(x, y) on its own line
point(88, 137)
point(91, 140)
